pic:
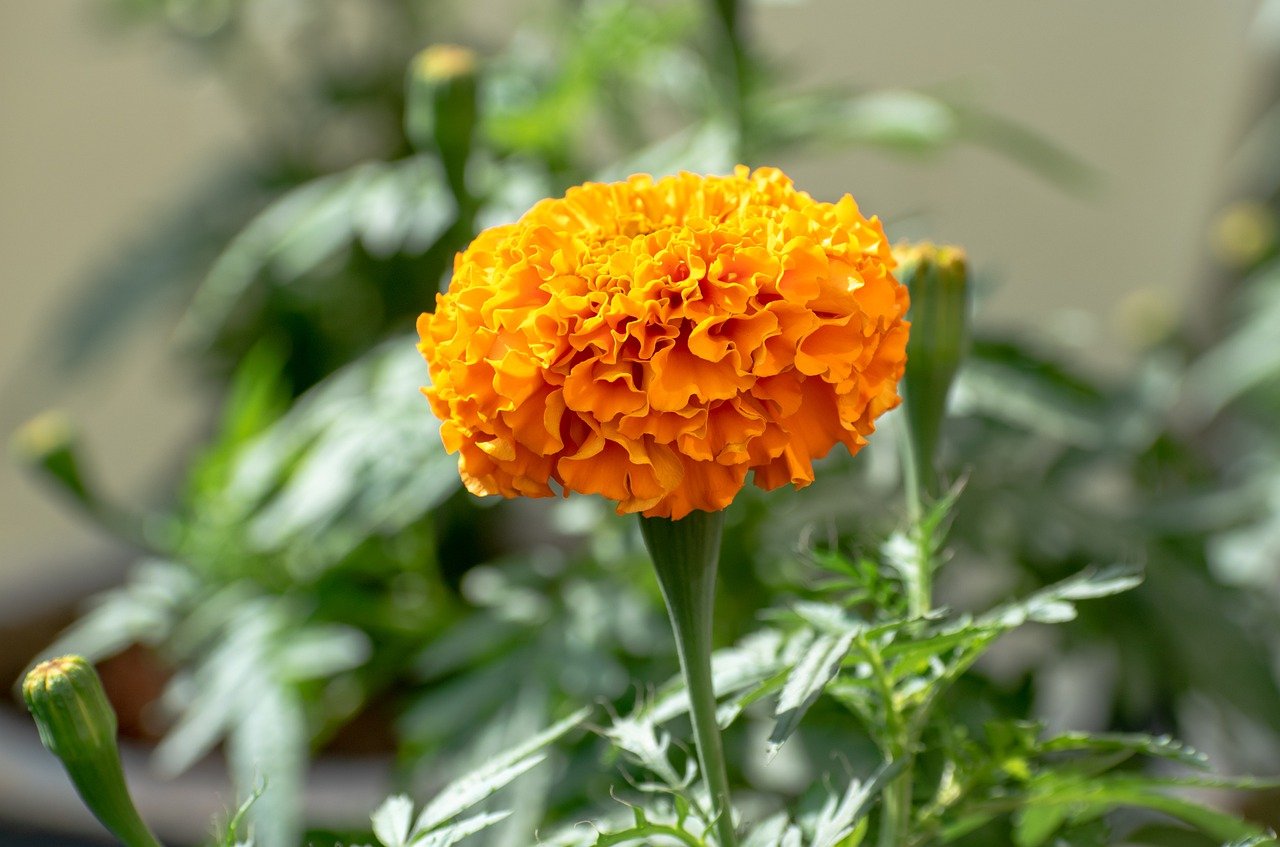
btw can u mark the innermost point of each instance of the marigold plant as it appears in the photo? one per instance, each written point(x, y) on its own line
point(653, 341)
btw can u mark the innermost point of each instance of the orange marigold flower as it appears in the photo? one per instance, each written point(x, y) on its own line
point(655, 340)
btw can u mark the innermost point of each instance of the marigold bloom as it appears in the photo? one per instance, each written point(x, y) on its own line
point(655, 340)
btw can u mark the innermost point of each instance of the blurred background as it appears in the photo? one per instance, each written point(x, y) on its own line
point(105, 127)
point(1109, 169)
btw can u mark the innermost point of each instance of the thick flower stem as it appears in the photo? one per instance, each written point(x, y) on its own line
point(685, 553)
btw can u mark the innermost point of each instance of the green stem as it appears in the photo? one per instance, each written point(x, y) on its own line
point(915, 483)
point(917, 480)
point(736, 71)
point(685, 553)
point(895, 798)
point(101, 786)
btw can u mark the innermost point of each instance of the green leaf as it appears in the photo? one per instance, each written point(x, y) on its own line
point(1054, 798)
point(267, 746)
point(470, 789)
point(230, 835)
point(1158, 746)
point(770, 832)
point(911, 652)
point(1009, 384)
point(750, 663)
point(1053, 604)
point(144, 610)
point(392, 819)
point(1035, 825)
point(392, 207)
point(707, 148)
point(639, 737)
point(903, 120)
point(837, 819)
point(358, 456)
point(455, 832)
point(319, 652)
point(817, 667)
point(220, 683)
point(907, 558)
point(1037, 153)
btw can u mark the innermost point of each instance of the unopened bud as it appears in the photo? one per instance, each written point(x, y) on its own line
point(47, 443)
point(938, 280)
point(78, 725)
point(442, 110)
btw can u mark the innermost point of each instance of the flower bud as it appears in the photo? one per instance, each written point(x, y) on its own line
point(78, 725)
point(937, 278)
point(442, 107)
point(47, 443)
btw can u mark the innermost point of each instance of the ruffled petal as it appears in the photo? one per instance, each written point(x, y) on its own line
point(656, 341)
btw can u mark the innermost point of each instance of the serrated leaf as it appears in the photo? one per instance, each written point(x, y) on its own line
point(729, 710)
point(767, 833)
point(735, 669)
point(392, 206)
point(391, 821)
point(640, 737)
point(826, 618)
point(1053, 603)
point(818, 666)
point(118, 619)
point(911, 651)
point(354, 458)
point(204, 722)
point(905, 556)
point(470, 789)
point(455, 832)
point(837, 819)
point(1158, 746)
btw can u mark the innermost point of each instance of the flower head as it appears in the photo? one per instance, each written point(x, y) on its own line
point(656, 340)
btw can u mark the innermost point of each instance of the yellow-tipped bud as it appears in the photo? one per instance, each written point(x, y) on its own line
point(938, 279)
point(47, 443)
point(442, 109)
point(78, 725)
point(1243, 234)
point(444, 61)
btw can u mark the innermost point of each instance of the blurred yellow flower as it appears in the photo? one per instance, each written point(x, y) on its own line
point(653, 341)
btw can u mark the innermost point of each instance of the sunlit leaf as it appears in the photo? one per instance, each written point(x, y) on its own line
point(838, 818)
point(391, 207)
point(818, 666)
point(392, 819)
point(483, 782)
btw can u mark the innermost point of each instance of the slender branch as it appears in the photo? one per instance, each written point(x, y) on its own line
point(629, 835)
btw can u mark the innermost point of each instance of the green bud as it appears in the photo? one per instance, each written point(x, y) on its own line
point(938, 280)
point(78, 725)
point(47, 443)
point(442, 108)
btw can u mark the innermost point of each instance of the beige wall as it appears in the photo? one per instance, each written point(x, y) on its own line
point(96, 131)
